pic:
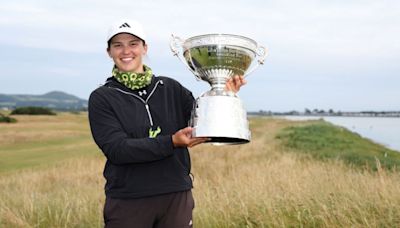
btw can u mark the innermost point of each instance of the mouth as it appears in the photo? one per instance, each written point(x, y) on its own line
point(126, 60)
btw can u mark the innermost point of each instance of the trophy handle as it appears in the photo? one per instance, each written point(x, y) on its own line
point(261, 53)
point(176, 45)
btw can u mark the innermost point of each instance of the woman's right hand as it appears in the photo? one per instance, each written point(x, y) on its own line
point(183, 138)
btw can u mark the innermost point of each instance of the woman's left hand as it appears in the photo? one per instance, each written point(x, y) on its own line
point(234, 83)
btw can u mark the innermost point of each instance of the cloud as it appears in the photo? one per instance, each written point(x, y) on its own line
point(312, 43)
point(352, 27)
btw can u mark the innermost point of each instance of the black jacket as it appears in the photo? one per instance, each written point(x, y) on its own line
point(120, 120)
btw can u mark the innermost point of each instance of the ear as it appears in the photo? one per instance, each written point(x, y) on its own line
point(109, 52)
point(145, 49)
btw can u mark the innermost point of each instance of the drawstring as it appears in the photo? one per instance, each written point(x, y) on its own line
point(149, 114)
point(191, 177)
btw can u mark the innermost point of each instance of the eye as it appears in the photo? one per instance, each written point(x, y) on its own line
point(117, 45)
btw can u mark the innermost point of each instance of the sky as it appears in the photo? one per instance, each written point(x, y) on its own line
point(340, 55)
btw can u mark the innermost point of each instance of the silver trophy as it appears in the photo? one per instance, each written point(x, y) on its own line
point(219, 114)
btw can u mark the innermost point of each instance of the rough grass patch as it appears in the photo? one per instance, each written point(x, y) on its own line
point(326, 141)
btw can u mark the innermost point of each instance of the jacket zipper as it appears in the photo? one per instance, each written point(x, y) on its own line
point(146, 105)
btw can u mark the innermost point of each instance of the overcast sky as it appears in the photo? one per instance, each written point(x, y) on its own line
point(341, 55)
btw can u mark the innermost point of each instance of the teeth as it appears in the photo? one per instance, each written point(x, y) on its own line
point(126, 59)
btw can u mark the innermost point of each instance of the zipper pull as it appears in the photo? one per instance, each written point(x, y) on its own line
point(148, 113)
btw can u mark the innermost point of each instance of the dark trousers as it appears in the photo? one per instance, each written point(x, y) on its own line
point(164, 211)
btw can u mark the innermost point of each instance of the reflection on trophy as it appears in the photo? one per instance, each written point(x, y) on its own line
point(218, 114)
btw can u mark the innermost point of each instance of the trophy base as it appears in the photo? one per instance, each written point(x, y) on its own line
point(220, 118)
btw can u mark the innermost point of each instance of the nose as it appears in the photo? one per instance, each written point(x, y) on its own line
point(126, 50)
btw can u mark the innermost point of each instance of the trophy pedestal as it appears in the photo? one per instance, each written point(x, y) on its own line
point(220, 118)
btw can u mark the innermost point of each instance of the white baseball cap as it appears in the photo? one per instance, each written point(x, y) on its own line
point(126, 26)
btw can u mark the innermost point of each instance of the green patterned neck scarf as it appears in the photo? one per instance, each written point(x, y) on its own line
point(134, 80)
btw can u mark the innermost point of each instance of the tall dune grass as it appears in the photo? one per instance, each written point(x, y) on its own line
point(262, 185)
point(259, 184)
point(69, 194)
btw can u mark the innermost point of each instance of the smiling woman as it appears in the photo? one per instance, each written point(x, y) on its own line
point(126, 51)
point(139, 121)
point(127, 119)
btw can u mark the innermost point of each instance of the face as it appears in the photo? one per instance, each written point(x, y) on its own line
point(127, 52)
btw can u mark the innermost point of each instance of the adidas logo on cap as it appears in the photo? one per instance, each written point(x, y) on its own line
point(126, 26)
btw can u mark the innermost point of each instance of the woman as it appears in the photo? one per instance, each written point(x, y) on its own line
point(139, 121)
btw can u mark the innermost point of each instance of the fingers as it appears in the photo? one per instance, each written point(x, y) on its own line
point(182, 137)
point(234, 83)
point(186, 131)
point(242, 81)
point(197, 141)
point(239, 81)
point(229, 85)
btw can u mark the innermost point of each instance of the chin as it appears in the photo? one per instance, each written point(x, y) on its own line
point(127, 69)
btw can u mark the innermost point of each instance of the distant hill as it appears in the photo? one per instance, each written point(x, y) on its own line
point(56, 100)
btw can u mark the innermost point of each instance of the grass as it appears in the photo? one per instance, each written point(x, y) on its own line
point(43, 140)
point(265, 184)
point(68, 194)
point(260, 184)
point(324, 141)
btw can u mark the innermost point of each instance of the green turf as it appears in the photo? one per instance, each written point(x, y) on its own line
point(324, 141)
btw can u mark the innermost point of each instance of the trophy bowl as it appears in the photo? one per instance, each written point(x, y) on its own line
point(219, 114)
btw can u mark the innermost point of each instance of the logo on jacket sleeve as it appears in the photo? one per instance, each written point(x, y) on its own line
point(154, 133)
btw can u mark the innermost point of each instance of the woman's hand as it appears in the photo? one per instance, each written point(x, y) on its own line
point(183, 138)
point(234, 83)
